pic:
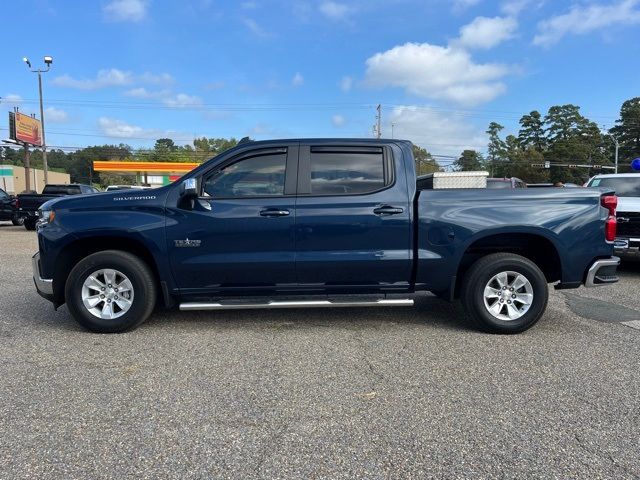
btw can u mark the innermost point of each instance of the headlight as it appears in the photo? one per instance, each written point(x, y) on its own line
point(46, 216)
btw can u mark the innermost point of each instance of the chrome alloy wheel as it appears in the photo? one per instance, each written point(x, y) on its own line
point(508, 295)
point(107, 294)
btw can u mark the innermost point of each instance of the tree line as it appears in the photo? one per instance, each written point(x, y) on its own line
point(563, 135)
point(79, 163)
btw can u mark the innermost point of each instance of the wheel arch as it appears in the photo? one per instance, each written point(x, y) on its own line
point(535, 246)
point(83, 247)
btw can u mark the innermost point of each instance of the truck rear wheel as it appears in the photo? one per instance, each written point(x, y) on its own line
point(110, 292)
point(504, 293)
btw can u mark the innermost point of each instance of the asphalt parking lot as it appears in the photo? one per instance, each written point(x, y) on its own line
point(354, 393)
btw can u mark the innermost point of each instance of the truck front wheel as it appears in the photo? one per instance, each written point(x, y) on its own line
point(110, 291)
point(30, 223)
point(504, 293)
point(17, 221)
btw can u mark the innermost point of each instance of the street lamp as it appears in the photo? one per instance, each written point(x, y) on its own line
point(48, 60)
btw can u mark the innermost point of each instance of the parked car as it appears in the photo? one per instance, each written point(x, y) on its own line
point(512, 182)
point(9, 208)
point(627, 188)
point(29, 203)
point(319, 223)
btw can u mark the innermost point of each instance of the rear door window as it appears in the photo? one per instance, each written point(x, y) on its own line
point(335, 172)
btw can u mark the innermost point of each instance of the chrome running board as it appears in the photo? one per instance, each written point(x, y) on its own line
point(296, 304)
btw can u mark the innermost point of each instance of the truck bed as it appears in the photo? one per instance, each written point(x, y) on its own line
point(451, 223)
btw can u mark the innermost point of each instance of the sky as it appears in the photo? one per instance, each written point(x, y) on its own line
point(132, 71)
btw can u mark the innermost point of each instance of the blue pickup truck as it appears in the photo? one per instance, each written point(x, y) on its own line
point(320, 223)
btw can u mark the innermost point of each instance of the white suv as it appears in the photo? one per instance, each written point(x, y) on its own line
point(627, 187)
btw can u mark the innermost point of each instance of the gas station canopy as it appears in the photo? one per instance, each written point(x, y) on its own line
point(143, 167)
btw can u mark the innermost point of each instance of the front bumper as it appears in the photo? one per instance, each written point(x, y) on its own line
point(602, 272)
point(44, 286)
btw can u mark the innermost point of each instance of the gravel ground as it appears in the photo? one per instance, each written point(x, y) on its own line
point(357, 393)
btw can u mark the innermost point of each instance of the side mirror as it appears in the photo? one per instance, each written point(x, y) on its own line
point(190, 188)
point(188, 194)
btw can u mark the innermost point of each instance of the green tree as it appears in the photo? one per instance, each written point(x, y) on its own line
point(627, 132)
point(470, 160)
point(79, 164)
point(573, 139)
point(532, 134)
point(425, 163)
point(496, 150)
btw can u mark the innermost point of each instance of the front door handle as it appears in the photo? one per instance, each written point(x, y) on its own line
point(273, 212)
point(387, 210)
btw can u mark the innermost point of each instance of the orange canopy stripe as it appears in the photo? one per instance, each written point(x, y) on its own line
point(155, 167)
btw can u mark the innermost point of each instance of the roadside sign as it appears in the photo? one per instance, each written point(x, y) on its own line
point(26, 129)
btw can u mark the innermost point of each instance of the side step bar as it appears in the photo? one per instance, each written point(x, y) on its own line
point(296, 304)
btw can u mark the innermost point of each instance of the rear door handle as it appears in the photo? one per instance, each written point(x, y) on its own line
point(387, 210)
point(273, 212)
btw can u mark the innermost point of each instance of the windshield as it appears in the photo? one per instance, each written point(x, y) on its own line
point(624, 186)
point(498, 183)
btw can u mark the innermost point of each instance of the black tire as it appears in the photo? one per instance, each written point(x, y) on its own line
point(29, 223)
point(479, 275)
point(18, 221)
point(140, 276)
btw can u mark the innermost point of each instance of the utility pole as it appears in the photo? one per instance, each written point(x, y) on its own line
point(48, 60)
point(392, 125)
point(27, 168)
point(378, 118)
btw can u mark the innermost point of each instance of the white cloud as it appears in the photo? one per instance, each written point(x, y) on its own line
point(432, 71)
point(440, 132)
point(582, 19)
point(255, 28)
point(112, 127)
point(55, 115)
point(155, 78)
point(513, 8)
point(105, 78)
point(459, 5)
point(335, 10)
point(484, 32)
point(346, 84)
point(338, 121)
point(141, 92)
point(126, 10)
point(182, 100)
point(11, 98)
point(115, 128)
point(112, 77)
point(297, 80)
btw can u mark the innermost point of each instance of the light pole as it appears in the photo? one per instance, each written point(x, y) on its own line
point(48, 60)
point(617, 149)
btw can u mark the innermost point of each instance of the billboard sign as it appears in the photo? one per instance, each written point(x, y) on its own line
point(27, 129)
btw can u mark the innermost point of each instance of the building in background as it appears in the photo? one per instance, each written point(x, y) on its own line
point(12, 179)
